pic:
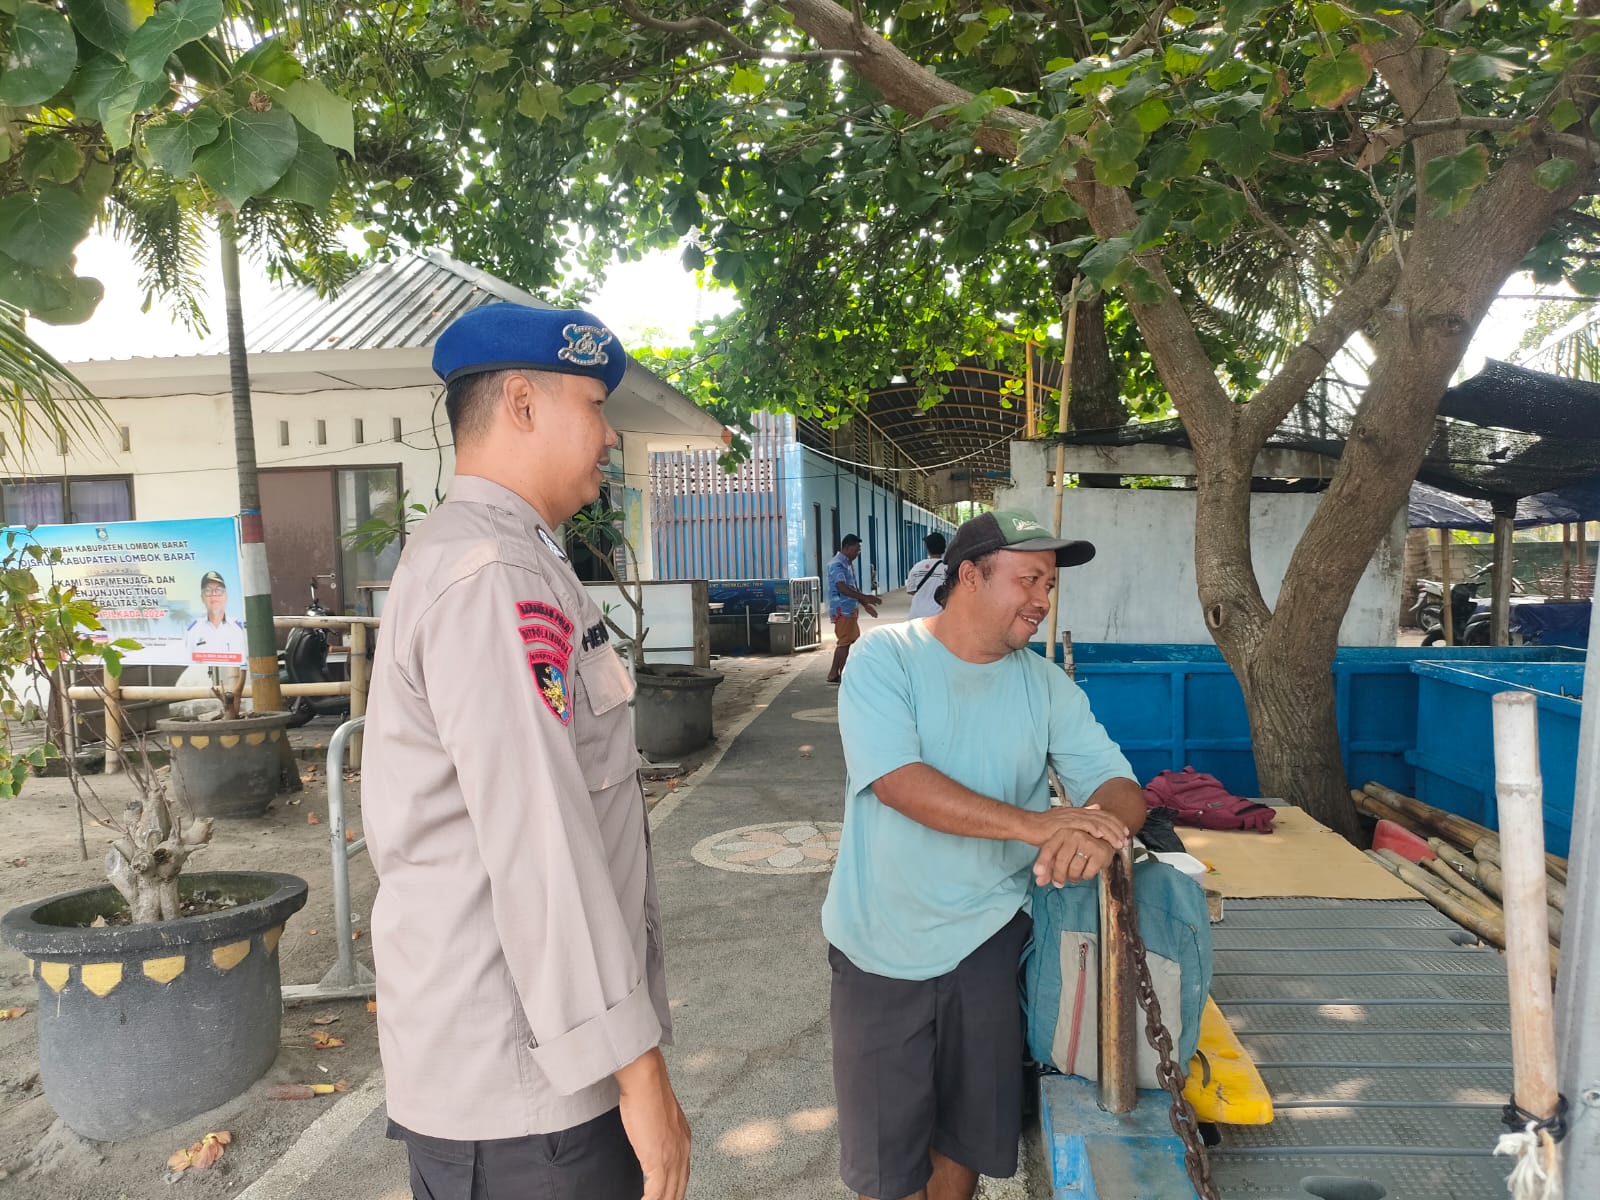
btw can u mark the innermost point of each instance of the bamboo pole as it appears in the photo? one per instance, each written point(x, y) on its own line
point(1071, 338)
point(1487, 852)
point(158, 692)
point(1377, 808)
point(1458, 829)
point(1520, 793)
point(1445, 872)
point(358, 685)
point(112, 686)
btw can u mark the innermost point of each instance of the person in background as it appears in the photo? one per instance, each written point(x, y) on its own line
point(926, 578)
point(844, 595)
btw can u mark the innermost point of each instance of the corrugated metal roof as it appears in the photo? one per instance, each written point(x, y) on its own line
point(388, 306)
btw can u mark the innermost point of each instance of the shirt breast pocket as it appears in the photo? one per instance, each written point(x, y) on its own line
point(602, 724)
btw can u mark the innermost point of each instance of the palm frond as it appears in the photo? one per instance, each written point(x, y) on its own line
point(39, 396)
point(168, 239)
point(296, 244)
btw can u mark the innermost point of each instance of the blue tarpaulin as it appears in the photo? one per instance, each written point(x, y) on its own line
point(1435, 509)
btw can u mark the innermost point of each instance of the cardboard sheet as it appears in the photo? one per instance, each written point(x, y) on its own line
point(1300, 857)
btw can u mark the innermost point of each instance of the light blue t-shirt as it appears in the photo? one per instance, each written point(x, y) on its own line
point(909, 902)
point(841, 570)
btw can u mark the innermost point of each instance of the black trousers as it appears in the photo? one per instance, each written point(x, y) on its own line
point(592, 1161)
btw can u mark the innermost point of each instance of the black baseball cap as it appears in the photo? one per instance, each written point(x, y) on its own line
point(211, 577)
point(1011, 529)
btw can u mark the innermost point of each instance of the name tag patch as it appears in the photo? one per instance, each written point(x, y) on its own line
point(596, 635)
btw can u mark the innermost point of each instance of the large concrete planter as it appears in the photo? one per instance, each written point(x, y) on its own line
point(672, 712)
point(143, 1026)
point(226, 768)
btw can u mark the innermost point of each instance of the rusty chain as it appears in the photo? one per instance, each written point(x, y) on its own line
point(1184, 1122)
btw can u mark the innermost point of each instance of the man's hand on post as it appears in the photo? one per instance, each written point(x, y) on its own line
point(656, 1127)
point(1076, 843)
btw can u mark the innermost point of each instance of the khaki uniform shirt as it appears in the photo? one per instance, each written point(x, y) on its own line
point(516, 932)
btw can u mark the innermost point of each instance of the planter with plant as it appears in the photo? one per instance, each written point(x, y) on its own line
point(673, 703)
point(228, 764)
point(159, 993)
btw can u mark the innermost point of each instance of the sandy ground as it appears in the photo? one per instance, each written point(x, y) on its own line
point(39, 856)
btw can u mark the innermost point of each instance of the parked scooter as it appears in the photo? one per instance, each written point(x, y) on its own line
point(304, 659)
point(1470, 626)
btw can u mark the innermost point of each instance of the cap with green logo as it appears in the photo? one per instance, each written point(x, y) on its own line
point(1011, 529)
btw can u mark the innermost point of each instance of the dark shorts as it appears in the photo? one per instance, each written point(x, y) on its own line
point(592, 1161)
point(934, 1064)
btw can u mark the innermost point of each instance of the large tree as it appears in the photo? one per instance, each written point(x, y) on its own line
point(1315, 177)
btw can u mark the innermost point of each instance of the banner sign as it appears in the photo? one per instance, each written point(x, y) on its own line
point(172, 586)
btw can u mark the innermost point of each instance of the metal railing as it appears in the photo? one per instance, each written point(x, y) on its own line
point(348, 978)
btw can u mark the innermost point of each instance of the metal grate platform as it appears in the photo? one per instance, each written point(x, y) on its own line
point(1384, 1039)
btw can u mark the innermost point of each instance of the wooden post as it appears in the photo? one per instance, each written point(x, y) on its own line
point(1566, 560)
point(1119, 1005)
point(1071, 337)
point(1500, 605)
point(1031, 424)
point(1446, 613)
point(111, 685)
point(358, 684)
point(1520, 792)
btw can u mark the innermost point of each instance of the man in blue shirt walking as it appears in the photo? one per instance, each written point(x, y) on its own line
point(950, 726)
point(843, 597)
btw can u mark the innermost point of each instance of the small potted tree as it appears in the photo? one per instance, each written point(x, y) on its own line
point(673, 702)
point(159, 992)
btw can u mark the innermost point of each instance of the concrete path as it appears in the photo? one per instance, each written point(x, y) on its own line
point(743, 856)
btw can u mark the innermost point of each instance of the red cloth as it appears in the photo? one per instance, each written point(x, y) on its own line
point(1199, 799)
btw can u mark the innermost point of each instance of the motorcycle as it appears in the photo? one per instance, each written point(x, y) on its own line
point(1470, 626)
point(304, 659)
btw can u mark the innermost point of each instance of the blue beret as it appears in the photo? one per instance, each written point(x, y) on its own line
point(512, 337)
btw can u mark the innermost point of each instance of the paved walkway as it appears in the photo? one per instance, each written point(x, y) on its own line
point(743, 856)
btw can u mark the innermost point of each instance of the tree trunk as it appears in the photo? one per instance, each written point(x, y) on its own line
point(257, 582)
point(1295, 732)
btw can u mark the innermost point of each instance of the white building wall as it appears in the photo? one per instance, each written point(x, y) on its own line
point(1140, 586)
point(181, 452)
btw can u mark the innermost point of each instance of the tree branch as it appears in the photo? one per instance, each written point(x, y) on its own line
point(705, 27)
point(1147, 33)
point(1351, 312)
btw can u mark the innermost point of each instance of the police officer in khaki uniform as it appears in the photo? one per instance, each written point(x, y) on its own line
point(517, 938)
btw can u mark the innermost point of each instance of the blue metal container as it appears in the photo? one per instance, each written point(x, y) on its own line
point(1176, 705)
point(1454, 755)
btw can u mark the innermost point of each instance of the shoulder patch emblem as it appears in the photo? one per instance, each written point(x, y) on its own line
point(550, 678)
point(586, 345)
point(540, 610)
point(553, 545)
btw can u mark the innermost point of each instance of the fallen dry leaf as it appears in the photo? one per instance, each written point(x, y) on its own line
point(805, 751)
point(11, 1014)
point(311, 819)
point(321, 1041)
point(341, 1084)
point(349, 835)
point(98, 923)
point(325, 1019)
point(372, 1006)
point(202, 1154)
point(355, 935)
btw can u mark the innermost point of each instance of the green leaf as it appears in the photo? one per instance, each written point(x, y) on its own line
point(1329, 17)
point(313, 176)
point(1451, 179)
point(1022, 224)
point(747, 82)
point(41, 228)
point(1239, 150)
point(1181, 15)
point(1114, 144)
point(328, 116)
point(127, 96)
point(51, 158)
point(1221, 211)
point(1564, 115)
point(1041, 142)
point(172, 144)
point(1174, 160)
point(1330, 82)
point(1152, 115)
point(587, 93)
point(108, 23)
point(1555, 174)
point(83, 297)
point(1105, 265)
point(250, 153)
point(41, 58)
point(271, 62)
point(1468, 65)
point(173, 25)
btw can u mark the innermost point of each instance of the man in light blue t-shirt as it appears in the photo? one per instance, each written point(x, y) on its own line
point(950, 725)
